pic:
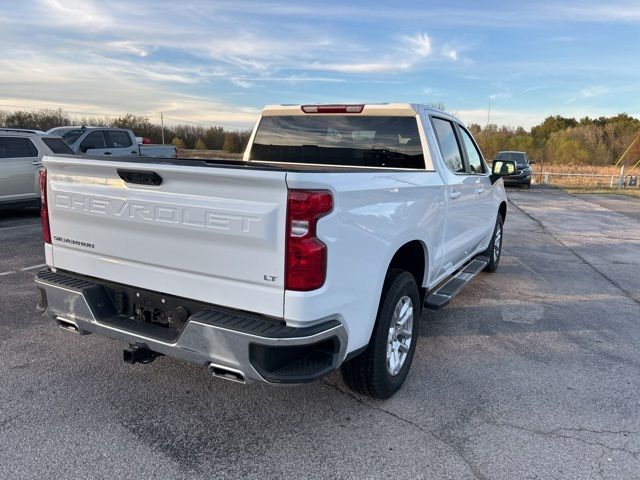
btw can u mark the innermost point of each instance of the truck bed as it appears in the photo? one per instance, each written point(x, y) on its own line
point(230, 163)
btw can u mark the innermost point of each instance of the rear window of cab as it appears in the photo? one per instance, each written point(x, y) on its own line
point(360, 141)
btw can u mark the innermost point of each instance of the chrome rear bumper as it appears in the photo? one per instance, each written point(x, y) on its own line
point(260, 349)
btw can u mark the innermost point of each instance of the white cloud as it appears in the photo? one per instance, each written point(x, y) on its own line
point(76, 14)
point(451, 54)
point(432, 92)
point(241, 82)
point(114, 88)
point(420, 44)
point(501, 95)
point(593, 91)
point(128, 47)
point(600, 12)
point(533, 89)
point(374, 67)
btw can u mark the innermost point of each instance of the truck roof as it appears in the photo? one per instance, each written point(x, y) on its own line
point(76, 127)
point(367, 109)
point(386, 109)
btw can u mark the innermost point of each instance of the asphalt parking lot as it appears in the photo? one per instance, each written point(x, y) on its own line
point(532, 372)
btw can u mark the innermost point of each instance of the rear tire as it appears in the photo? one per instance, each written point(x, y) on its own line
point(382, 368)
point(494, 251)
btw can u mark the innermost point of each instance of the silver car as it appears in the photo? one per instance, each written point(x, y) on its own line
point(21, 155)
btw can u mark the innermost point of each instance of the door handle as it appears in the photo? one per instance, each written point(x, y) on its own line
point(480, 190)
point(140, 177)
point(36, 163)
point(107, 153)
point(133, 152)
point(454, 195)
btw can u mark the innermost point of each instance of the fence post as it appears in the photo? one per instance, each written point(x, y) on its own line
point(546, 178)
point(622, 176)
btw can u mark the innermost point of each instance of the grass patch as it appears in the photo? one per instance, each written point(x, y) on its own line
point(629, 192)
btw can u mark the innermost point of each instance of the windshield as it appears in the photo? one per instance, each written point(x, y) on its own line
point(388, 142)
point(515, 156)
point(69, 135)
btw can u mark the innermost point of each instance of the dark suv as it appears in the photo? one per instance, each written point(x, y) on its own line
point(523, 165)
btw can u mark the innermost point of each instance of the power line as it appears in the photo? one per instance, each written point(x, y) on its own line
point(629, 148)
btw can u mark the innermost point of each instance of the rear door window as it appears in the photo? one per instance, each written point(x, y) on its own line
point(476, 165)
point(17, 147)
point(361, 141)
point(448, 142)
point(118, 139)
point(94, 140)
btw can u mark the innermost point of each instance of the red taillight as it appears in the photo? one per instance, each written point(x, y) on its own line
point(306, 256)
point(332, 108)
point(44, 211)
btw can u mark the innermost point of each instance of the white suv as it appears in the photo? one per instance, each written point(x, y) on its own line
point(21, 155)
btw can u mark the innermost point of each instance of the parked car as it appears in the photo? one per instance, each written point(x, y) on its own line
point(316, 251)
point(21, 155)
point(523, 165)
point(110, 141)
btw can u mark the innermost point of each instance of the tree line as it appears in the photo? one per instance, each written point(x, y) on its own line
point(182, 136)
point(557, 140)
point(561, 140)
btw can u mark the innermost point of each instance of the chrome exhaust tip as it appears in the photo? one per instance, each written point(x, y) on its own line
point(68, 325)
point(226, 373)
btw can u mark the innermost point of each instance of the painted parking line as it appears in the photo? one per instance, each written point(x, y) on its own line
point(525, 265)
point(25, 269)
point(20, 226)
point(33, 267)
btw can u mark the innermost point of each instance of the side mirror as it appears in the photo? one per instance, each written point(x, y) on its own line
point(84, 148)
point(502, 168)
point(531, 162)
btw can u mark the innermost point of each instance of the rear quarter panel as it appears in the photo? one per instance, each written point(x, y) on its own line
point(374, 214)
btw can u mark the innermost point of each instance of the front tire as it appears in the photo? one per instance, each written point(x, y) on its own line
point(382, 368)
point(494, 251)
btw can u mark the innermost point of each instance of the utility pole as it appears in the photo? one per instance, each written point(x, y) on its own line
point(484, 137)
point(162, 126)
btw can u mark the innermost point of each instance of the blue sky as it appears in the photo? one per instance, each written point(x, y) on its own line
point(219, 62)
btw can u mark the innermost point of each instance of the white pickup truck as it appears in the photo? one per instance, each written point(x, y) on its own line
point(120, 142)
point(318, 250)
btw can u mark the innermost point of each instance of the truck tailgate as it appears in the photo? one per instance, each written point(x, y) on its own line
point(207, 233)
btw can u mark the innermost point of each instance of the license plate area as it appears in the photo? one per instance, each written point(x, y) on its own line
point(143, 307)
